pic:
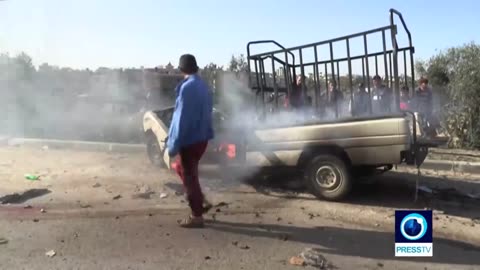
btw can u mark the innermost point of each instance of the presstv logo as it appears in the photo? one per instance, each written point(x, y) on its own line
point(413, 233)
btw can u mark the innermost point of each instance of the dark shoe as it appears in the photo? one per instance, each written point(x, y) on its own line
point(191, 222)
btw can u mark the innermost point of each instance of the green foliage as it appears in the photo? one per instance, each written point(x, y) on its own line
point(238, 64)
point(455, 77)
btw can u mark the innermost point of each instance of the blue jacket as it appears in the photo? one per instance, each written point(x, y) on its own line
point(192, 118)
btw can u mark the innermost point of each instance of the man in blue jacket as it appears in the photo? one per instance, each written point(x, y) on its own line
point(189, 133)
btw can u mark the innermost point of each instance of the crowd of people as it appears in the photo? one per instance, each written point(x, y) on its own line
point(379, 101)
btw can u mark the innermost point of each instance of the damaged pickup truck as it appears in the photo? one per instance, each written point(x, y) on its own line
point(332, 153)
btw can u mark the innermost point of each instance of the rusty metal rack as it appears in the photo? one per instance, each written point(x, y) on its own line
point(284, 58)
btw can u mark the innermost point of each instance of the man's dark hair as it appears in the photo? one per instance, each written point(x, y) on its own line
point(188, 64)
point(377, 78)
point(423, 80)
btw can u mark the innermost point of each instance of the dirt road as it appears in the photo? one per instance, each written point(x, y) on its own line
point(109, 211)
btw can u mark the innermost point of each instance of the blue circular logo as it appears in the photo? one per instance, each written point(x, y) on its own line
point(413, 226)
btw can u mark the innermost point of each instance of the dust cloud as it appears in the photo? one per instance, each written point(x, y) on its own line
point(61, 103)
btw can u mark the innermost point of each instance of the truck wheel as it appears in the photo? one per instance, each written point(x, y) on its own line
point(153, 150)
point(328, 178)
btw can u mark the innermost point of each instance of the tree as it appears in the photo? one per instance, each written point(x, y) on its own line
point(209, 73)
point(24, 69)
point(454, 74)
point(238, 64)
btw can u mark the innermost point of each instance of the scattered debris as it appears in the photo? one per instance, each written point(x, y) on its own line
point(377, 225)
point(257, 215)
point(96, 185)
point(84, 205)
point(178, 193)
point(207, 257)
point(297, 261)
point(32, 177)
point(311, 215)
point(145, 196)
point(150, 214)
point(380, 264)
point(3, 241)
point(302, 208)
point(117, 197)
point(218, 210)
point(279, 219)
point(145, 189)
point(221, 204)
point(284, 237)
point(312, 257)
point(214, 217)
point(43, 210)
point(51, 253)
point(245, 247)
point(27, 207)
point(117, 217)
point(75, 235)
point(35, 220)
point(163, 195)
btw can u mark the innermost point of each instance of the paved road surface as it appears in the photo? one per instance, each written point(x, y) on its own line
point(90, 230)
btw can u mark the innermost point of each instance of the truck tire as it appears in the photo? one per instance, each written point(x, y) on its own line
point(153, 150)
point(328, 177)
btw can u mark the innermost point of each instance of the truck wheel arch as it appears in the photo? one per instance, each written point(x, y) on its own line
point(309, 153)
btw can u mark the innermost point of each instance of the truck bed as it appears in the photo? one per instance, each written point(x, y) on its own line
point(369, 140)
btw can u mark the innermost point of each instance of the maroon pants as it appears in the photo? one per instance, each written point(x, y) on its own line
point(187, 169)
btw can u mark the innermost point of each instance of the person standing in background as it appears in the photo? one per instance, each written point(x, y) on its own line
point(423, 104)
point(296, 99)
point(423, 100)
point(188, 136)
point(404, 99)
point(335, 98)
point(381, 97)
point(360, 101)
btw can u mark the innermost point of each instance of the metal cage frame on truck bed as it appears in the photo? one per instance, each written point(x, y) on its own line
point(285, 58)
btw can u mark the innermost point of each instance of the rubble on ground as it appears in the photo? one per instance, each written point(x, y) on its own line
point(311, 257)
point(51, 253)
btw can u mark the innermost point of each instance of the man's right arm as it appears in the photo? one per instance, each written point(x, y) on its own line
point(179, 121)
